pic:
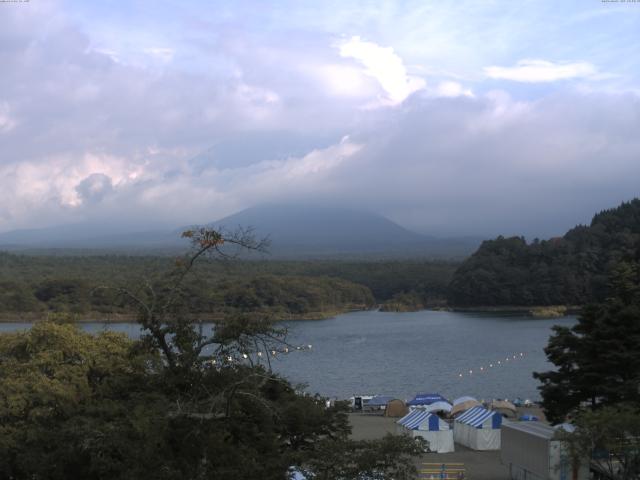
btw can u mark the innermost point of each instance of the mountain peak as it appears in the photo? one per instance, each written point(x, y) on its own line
point(295, 231)
point(321, 226)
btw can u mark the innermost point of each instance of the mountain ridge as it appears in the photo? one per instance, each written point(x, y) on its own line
point(295, 231)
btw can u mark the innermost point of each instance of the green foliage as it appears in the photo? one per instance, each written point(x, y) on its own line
point(61, 390)
point(571, 270)
point(406, 302)
point(76, 405)
point(178, 403)
point(294, 295)
point(597, 360)
point(389, 457)
point(610, 438)
point(41, 284)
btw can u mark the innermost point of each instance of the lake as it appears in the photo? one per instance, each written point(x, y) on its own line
point(402, 353)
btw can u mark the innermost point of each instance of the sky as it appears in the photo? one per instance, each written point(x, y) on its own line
point(448, 117)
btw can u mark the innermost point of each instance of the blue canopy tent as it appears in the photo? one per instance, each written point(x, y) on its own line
point(527, 417)
point(478, 428)
point(425, 399)
point(420, 423)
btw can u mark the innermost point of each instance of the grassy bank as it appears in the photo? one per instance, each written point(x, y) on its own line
point(100, 317)
point(541, 311)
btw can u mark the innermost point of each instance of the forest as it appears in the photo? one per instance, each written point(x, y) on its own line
point(568, 270)
point(33, 286)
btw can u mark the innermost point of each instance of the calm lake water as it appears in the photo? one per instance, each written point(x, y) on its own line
point(402, 353)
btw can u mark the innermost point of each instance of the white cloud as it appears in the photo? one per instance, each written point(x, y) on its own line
point(533, 71)
point(7, 122)
point(345, 80)
point(294, 176)
point(60, 184)
point(383, 64)
point(452, 89)
point(318, 161)
point(88, 133)
point(163, 54)
point(256, 95)
point(112, 54)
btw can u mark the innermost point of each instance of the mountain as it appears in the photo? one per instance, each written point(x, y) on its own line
point(295, 231)
point(575, 269)
point(315, 231)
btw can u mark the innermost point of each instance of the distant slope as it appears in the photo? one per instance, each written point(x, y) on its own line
point(294, 231)
point(570, 270)
point(303, 231)
point(88, 235)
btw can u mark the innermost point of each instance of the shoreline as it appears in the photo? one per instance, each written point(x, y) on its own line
point(114, 318)
point(552, 311)
point(540, 311)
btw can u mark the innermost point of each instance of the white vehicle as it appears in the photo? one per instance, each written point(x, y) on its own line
point(359, 402)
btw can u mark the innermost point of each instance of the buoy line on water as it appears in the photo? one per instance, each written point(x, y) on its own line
point(250, 356)
point(491, 365)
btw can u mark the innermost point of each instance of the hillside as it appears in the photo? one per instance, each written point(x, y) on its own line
point(306, 231)
point(91, 235)
point(315, 231)
point(569, 270)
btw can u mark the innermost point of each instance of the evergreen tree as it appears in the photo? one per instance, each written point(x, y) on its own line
point(568, 270)
point(598, 359)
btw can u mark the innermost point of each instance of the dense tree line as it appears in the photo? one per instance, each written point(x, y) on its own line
point(569, 270)
point(278, 295)
point(41, 284)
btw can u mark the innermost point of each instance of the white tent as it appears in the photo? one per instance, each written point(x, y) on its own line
point(438, 407)
point(478, 429)
point(420, 423)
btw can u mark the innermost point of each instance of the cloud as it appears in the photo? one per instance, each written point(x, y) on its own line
point(63, 188)
point(94, 187)
point(164, 54)
point(232, 111)
point(6, 120)
point(452, 89)
point(534, 71)
point(346, 81)
point(383, 64)
point(492, 164)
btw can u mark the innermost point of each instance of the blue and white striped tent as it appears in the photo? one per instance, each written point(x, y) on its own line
point(479, 417)
point(419, 419)
point(421, 423)
point(478, 428)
